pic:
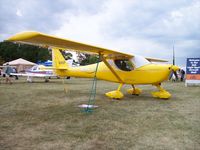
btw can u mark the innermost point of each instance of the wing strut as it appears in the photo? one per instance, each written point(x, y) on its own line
point(111, 69)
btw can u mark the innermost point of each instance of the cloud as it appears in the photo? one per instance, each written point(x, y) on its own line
point(18, 13)
point(136, 26)
point(140, 27)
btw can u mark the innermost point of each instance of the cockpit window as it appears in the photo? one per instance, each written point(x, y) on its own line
point(139, 61)
point(124, 64)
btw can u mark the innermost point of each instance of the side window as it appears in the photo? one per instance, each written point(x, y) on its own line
point(124, 64)
point(35, 68)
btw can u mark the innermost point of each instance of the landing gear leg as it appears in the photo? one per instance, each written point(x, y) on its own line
point(117, 94)
point(134, 91)
point(29, 79)
point(162, 93)
point(46, 80)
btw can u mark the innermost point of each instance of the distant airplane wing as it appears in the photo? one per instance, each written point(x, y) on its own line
point(32, 75)
point(40, 39)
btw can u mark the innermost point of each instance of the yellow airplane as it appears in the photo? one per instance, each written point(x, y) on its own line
point(115, 66)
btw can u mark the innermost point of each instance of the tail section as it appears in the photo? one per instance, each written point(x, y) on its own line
point(59, 62)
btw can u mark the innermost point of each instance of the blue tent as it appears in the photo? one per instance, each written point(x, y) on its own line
point(46, 63)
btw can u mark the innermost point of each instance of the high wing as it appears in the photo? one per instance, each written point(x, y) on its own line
point(40, 39)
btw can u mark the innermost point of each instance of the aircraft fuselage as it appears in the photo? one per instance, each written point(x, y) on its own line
point(147, 74)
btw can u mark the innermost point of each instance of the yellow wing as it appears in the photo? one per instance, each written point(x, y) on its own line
point(40, 39)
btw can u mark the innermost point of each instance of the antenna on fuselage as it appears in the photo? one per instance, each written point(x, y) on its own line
point(173, 55)
point(174, 62)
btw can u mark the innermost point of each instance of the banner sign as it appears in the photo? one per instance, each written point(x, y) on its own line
point(193, 70)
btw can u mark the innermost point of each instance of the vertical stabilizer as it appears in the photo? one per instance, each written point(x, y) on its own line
point(59, 61)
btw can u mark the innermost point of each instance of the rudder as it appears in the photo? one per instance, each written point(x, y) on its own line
point(59, 63)
point(58, 60)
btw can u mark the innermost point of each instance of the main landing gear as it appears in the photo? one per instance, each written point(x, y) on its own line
point(117, 94)
point(162, 93)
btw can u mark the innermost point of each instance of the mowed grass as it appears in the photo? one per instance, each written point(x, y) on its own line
point(42, 116)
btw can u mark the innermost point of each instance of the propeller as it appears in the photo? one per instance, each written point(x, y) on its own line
point(173, 68)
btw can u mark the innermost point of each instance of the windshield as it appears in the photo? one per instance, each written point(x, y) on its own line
point(139, 61)
point(124, 64)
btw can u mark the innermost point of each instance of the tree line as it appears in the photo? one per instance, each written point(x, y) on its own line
point(10, 51)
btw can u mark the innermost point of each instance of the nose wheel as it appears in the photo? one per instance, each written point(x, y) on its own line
point(162, 93)
point(134, 91)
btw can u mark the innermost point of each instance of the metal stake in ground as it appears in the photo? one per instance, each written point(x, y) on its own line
point(93, 90)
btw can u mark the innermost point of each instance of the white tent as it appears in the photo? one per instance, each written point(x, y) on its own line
point(21, 64)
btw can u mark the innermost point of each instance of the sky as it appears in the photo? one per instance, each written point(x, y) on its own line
point(144, 27)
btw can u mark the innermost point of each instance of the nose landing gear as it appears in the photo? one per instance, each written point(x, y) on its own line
point(162, 93)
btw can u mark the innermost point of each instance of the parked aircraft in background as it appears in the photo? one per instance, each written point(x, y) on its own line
point(38, 71)
point(122, 68)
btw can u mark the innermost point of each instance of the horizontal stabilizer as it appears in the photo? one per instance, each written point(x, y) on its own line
point(156, 60)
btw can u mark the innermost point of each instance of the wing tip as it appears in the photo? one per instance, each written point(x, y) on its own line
point(23, 35)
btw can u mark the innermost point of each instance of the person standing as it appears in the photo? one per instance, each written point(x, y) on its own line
point(182, 74)
point(8, 71)
point(0, 74)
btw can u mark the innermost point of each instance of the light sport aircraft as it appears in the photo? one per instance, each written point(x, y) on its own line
point(115, 66)
point(38, 71)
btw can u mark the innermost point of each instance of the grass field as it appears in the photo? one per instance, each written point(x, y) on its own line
point(42, 116)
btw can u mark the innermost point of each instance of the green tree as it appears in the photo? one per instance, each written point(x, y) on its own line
point(1, 61)
point(68, 55)
point(89, 59)
point(10, 51)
